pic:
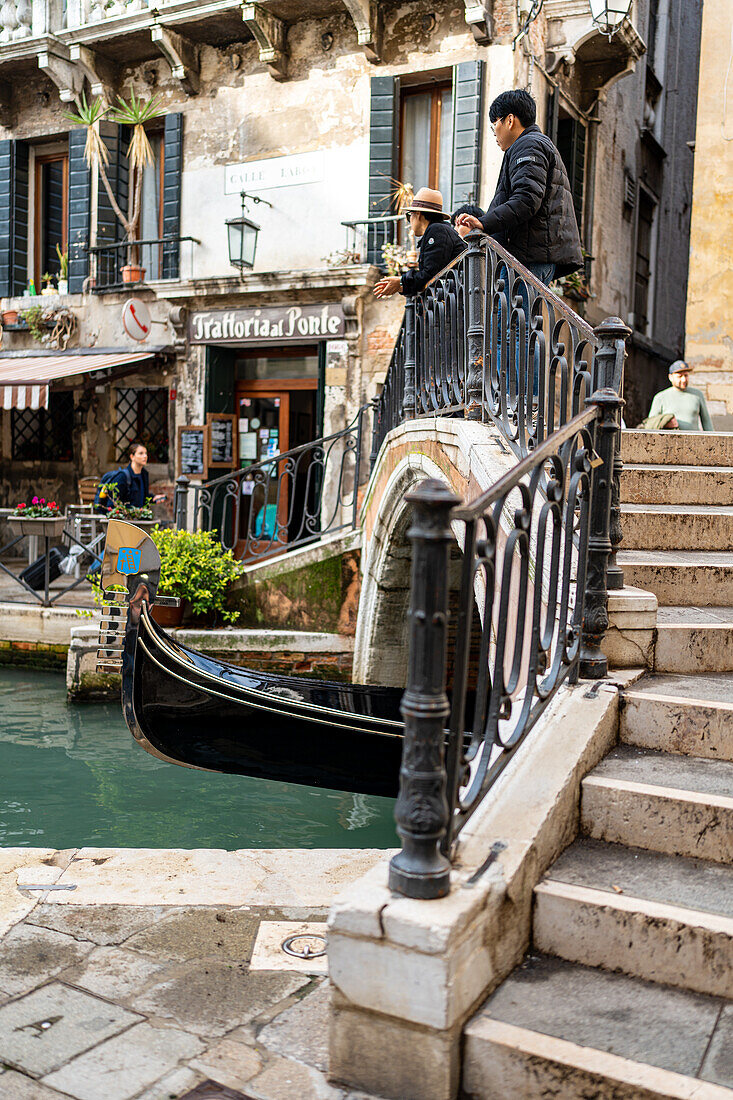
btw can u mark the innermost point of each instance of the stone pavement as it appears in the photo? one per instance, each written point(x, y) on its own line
point(102, 1000)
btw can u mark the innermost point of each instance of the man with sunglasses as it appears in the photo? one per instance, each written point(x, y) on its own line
point(532, 212)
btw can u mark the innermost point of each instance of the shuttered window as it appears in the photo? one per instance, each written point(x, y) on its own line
point(172, 173)
point(468, 97)
point(13, 217)
point(51, 215)
point(80, 202)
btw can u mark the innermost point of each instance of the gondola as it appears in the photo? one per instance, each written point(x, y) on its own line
point(188, 709)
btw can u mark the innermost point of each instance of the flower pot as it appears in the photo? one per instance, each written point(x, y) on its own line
point(133, 273)
point(46, 528)
point(167, 616)
point(10, 317)
point(63, 286)
point(49, 291)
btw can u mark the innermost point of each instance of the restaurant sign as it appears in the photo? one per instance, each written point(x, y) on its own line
point(265, 324)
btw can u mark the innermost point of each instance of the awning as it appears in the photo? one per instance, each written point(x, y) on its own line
point(24, 383)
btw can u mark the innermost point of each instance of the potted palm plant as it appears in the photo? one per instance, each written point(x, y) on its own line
point(63, 279)
point(135, 113)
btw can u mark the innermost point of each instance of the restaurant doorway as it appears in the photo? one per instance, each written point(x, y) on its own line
point(278, 408)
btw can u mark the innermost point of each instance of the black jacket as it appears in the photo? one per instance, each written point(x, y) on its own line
point(439, 244)
point(131, 489)
point(532, 212)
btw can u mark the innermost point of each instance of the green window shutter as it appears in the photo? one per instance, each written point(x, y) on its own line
point(382, 142)
point(13, 217)
point(117, 140)
point(80, 201)
point(468, 98)
point(172, 171)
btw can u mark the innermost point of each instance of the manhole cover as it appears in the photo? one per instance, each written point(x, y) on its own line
point(211, 1090)
point(306, 945)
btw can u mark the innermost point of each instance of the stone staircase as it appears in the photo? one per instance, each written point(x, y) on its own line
point(628, 991)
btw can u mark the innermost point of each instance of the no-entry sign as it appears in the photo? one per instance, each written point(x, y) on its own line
point(136, 320)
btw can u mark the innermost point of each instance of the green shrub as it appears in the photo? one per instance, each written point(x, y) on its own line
point(194, 567)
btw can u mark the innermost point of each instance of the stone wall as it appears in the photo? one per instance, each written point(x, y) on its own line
point(709, 344)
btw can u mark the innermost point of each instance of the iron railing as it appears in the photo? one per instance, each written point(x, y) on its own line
point(159, 258)
point(366, 237)
point(283, 502)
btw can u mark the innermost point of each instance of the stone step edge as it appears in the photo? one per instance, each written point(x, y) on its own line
point(672, 794)
point(639, 695)
point(676, 467)
point(715, 923)
point(642, 1081)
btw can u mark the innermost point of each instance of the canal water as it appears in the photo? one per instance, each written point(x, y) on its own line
point(72, 776)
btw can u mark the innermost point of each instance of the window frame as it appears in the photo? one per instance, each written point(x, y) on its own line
point(44, 430)
point(123, 440)
point(645, 194)
point(40, 161)
point(436, 89)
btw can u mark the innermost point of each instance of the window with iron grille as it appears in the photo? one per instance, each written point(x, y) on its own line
point(142, 415)
point(45, 435)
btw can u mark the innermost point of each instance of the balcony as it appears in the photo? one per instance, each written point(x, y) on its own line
point(367, 237)
point(78, 40)
point(164, 258)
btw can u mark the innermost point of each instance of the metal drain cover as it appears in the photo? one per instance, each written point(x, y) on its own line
point(305, 945)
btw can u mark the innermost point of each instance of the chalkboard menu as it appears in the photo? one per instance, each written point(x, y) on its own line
point(220, 428)
point(192, 449)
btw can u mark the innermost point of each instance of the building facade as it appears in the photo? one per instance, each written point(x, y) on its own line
point(314, 110)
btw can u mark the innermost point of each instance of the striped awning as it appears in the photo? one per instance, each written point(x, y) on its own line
point(25, 382)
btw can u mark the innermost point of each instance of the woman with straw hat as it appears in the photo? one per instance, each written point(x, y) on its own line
point(439, 244)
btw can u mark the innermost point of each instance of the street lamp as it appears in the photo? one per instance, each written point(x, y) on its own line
point(242, 235)
point(608, 15)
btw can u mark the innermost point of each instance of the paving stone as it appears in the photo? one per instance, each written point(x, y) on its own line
point(172, 1085)
point(212, 998)
point(229, 1063)
point(29, 956)
point(301, 1032)
point(102, 924)
point(199, 934)
point(77, 1022)
point(718, 1064)
point(16, 1086)
point(119, 1068)
point(286, 1080)
point(114, 972)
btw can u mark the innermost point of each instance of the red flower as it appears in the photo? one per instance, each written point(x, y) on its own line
point(53, 504)
point(43, 500)
point(21, 506)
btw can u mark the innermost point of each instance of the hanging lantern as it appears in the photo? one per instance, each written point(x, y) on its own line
point(608, 15)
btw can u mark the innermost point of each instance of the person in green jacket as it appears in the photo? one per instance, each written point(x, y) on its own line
point(685, 403)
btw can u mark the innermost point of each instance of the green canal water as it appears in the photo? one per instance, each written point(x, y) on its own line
point(72, 776)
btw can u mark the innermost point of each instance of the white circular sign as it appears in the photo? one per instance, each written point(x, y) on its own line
point(136, 319)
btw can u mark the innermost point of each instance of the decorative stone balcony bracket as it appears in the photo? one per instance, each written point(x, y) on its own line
point(367, 16)
point(479, 18)
point(181, 55)
point(55, 62)
point(270, 34)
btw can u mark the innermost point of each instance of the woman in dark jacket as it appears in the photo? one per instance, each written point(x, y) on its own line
point(439, 244)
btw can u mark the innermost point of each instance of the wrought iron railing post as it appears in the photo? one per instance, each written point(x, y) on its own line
point(180, 507)
point(376, 441)
point(593, 663)
point(612, 335)
point(419, 870)
point(474, 292)
point(409, 400)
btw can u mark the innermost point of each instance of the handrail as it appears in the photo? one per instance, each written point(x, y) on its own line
point(281, 502)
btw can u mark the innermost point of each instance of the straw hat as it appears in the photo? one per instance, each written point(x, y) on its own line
point(677, 366)
point(427, 201)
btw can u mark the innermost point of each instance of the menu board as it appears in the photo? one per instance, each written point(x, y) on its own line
point(192, 449)
point(221, 434)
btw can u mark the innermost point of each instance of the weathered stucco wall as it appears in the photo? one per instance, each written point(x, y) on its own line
point(709, 344)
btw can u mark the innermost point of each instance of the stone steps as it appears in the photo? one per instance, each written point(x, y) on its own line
point(688, 578)
point(677, 448)
point(670, 527)
point(679, 805)
point(683, 485)
point(680, 714)
point(560, 1029)
point(662, 918)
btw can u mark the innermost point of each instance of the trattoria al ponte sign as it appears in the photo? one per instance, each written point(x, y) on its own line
point(268, 324)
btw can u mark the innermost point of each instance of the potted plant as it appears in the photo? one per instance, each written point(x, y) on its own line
point(40, 517)
point(10, 317)
point(48, 287)
point(141, 517)
point(63, 270)
point(194, 567)
point(135, 113)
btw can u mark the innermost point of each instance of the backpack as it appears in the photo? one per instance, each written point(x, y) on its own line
point(103, 498)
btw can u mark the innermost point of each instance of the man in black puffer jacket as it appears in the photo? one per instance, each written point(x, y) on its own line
point(532, 212)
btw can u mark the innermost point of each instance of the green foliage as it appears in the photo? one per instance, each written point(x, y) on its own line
point(33, 316)
point(194, 567)
point(63, 262)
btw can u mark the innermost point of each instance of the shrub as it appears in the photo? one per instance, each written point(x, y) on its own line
point(194, 567)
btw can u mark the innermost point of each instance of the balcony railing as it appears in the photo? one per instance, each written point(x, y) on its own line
point(20, 19)
point(162, 258)
point(366, 237)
